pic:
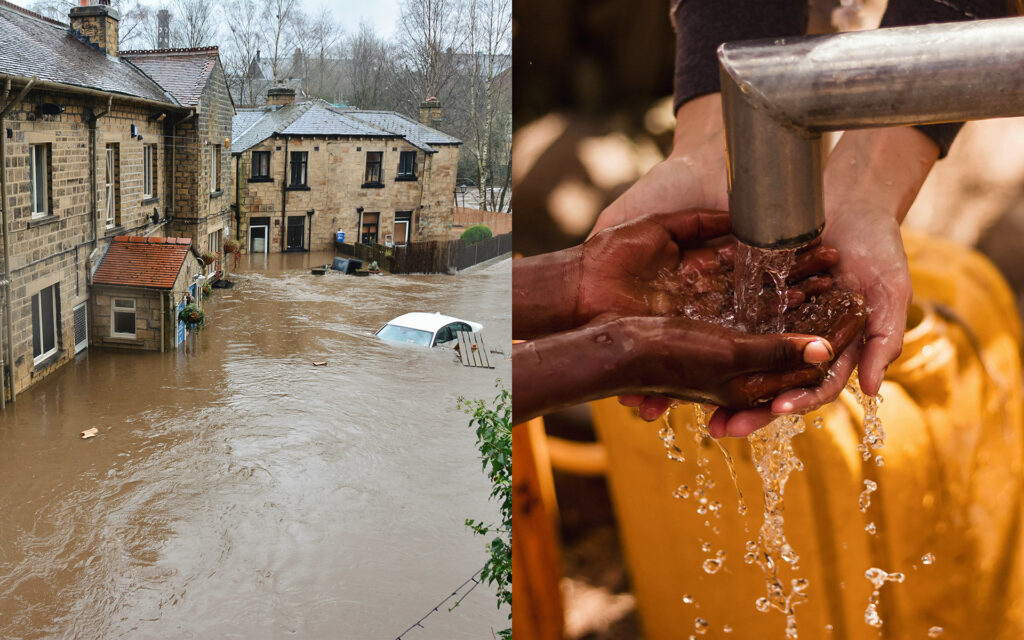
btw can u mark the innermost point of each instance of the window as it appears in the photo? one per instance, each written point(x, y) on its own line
point(260, 165)
point(299, 160)
point(44, 324)
point(149, 170)
point(402, 223)
point(370, 228)
point(407, 166)
point(373, 172)
point(40, 176)
point(215, 168)
point(112, 190)
point(213, 242)
point(122, 318)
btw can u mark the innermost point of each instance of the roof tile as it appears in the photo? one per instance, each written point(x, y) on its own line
point(134, 261)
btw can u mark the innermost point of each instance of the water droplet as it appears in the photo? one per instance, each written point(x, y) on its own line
point(712, 565)
point(799, 584)
point(935, 632)
point(828, 628)
point(750, 545)
point(819, 422)
point(870, 528)
point(928, 558)
point(706, 547)
point(687, 598)
point(700, 626)
point(750, 558)
point(762, 604)
point(879, 461)
point(683, 492)
point(726, 629)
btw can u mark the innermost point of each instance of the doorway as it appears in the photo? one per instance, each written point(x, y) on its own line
point(258, 238)
point(296, 233)
point(402, 223)
point(371, 222)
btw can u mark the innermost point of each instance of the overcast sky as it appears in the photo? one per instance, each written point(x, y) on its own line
point(382, 14)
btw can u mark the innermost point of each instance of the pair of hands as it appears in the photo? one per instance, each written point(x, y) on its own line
point(627, 311)
point(870, 181)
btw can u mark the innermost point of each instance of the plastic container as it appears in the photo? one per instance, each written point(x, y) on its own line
point(341, 236)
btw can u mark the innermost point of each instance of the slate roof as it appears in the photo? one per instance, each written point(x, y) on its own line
point(182, 72)
point(133, 261)
point(31, 45)
point(318, 118)
point(315, 118)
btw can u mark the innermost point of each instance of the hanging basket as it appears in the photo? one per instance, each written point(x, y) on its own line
point(232, 246)
point(207, 290)
point(208, 257)
point(192, 316)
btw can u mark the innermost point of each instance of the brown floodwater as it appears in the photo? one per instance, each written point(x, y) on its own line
point(237, 491)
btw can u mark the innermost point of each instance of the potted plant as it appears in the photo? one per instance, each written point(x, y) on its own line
point(192, 316)
point(207, 290)
point(232, 246)
point(209, 257)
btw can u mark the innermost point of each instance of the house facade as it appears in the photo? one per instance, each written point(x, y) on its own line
point(304, 172)
point(91, 148)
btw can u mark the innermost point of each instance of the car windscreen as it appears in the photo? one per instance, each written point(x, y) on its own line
point(396, 333)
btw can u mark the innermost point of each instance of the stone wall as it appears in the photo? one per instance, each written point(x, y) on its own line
point(148, 307)
point(57, 249)
point(335, 190)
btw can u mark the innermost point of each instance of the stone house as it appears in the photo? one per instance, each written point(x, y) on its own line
point(93, 147)
point(304, 171)
point(140, 287)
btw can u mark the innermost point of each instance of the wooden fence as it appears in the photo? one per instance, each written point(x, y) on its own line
point(429, 257)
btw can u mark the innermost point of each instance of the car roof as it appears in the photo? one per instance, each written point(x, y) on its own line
point(427, 321)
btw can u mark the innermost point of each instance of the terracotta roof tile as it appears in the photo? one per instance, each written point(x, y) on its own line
point(134, 261)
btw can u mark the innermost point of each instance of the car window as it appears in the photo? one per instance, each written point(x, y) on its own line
point(396, 333)
point(445, 335)
point(462, 326)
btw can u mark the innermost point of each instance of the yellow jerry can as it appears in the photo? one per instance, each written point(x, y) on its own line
point(946, 513)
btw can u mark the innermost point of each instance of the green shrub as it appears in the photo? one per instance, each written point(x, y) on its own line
point(476, 233)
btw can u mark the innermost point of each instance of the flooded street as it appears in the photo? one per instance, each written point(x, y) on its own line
point(237, 491)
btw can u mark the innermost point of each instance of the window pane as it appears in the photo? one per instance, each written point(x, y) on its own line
point(124, 322)
point(37, 343)
point(46, 318)
point(124, 303)
point(38, 179)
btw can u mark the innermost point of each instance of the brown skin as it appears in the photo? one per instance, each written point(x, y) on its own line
point(670, 356)
point(630, 271)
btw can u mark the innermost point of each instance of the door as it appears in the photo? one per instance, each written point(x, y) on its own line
point(179, 335)
point(258, 239)
point(370, 227)
point(81, 328)
point(403, 221)
point(296, 233)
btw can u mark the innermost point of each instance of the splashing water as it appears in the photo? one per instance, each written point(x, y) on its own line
point(878, 577)
point(870, 486)
point(752, 298)
point(935, 632)
point(928, 558)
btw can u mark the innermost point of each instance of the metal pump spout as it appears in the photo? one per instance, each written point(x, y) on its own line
point(778, 96)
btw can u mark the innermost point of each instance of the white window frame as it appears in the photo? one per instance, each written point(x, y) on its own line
point(40, 208)
point(116, 309)
point(108, 189)
point(37, 299)
point(147, 171)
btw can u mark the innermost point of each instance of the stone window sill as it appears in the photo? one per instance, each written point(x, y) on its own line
point(373, 185)
point(40, 222)
point(261, 179)
point(406, 179)
point(123, 340)
point(216, 194)
point(114, 231)
point(150, 200)
point(297, 187)
point(50, 359)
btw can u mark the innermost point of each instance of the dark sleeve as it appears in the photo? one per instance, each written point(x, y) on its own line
point(702, 25)
point(902, 13)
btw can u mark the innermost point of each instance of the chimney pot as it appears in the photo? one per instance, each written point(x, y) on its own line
point(280, 96)
point(96, 23)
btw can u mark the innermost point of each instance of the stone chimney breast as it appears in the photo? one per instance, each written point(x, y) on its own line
point(97, 24)
point(280, 96)
point(430, 112)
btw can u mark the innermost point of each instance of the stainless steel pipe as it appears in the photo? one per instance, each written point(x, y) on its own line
point(778, 96)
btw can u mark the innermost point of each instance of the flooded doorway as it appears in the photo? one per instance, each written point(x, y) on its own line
point(236, 489)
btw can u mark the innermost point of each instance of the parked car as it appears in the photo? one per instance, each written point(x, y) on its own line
point(425, 329)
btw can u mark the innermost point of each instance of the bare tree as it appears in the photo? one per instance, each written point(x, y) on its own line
point(241, 51)
point(194, 24)
point(320, 39)
point(131, 26)
point(278, 18)
point(370, 72)
point(432, 35)
point(489, 117)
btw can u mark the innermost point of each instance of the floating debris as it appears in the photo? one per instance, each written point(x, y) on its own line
point(90, 433)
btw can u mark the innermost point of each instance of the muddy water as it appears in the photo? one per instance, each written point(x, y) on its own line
point(237, 491)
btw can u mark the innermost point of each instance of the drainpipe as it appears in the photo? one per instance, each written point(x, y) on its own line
point(93, 185)
point(163, 313)
point(284, 196)
point(428, 162)
point(5, 221)
point(174, 165)
point(778, 96)
point(238, 199)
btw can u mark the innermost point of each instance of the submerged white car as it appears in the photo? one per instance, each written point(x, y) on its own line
point(425, 329)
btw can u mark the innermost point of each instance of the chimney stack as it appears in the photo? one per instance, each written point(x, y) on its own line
point(280, 95)
point(96, 23)
point(163, 29)
point(430, 112)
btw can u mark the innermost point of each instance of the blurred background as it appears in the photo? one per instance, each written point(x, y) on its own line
point(593, 112)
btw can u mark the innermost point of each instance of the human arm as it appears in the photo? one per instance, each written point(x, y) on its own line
point(668, 356)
